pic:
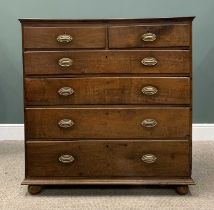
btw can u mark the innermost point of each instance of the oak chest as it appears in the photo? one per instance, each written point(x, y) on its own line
point(108, 102)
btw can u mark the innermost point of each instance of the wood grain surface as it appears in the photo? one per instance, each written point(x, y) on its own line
point(167, 35)
point(46, 37)
point(108, 159)
point(107, 122)
point(108, 61)
point(108, 90)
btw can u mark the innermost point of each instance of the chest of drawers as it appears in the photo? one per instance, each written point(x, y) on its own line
point(108, 102)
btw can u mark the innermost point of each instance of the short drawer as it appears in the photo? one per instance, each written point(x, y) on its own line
point(107, 90)
point(154, 35)
point(64, 37)
point(108, 159)
point(98, 62)
point(107, 122)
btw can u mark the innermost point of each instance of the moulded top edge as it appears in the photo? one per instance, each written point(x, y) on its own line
point(174, 19)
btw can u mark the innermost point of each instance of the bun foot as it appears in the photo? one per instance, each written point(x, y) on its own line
point(182, 189)
point(34, 189)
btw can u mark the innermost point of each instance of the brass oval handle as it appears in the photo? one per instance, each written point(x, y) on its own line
point(149, 61)
point(65, 62)
point(64, 38)
point(65, 123)
point(149, 158)
point(66, 158)
point(66, 91)
point(148, 37)
point(149, 123)
point(149, 90)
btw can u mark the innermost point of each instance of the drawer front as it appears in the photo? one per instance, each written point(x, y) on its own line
point(64, 37)
point(108, 90)
point(108, 158)
point(91, 62)
point(168, 35)
point(133, 122)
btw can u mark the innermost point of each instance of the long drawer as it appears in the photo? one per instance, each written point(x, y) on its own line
point(64, 37)
point(107, 122)
point(154, 35)
point(108, 90)
point(108, 159)
point(92, 62)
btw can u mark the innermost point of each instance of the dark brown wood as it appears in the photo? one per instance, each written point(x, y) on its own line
point(107, 123)
point(182, 189)
point(35, 21)
point(34, 189)
point(166, 35)
point(108, 90)
point(46, 37)
point(96, 62)
point(107, 107)
point(108, 158)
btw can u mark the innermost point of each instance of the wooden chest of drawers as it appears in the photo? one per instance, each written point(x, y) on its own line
point(108, 102)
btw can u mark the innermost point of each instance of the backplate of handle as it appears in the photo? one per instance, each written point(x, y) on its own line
point(65, 91)
point(149, 61)
point(148, 37)
point(65, 123)
point(64, 38)
point(66, 158)
point(65, 62)
point(149, 90)
point(149, 123)
point(148, 158)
